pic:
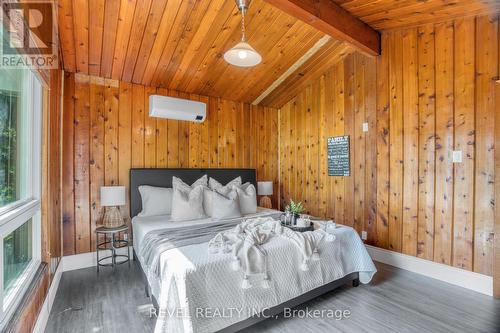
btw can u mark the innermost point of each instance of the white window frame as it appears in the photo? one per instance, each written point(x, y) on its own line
point(14, 215)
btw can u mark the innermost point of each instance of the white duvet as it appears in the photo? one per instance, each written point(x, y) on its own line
point(200, 292)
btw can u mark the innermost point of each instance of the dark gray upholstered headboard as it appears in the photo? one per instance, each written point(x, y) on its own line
point(163, 178)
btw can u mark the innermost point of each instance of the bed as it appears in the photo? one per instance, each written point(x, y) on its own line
point(197, 291)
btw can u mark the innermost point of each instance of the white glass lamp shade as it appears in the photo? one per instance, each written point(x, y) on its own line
point(242, 55)
point(265, 188)
point(112, 196)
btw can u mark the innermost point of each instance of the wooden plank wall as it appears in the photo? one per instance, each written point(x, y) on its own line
point(429, 93)
point(338, 103)
point(107, 131)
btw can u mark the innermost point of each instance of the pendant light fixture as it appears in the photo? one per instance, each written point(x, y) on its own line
point(242, 54)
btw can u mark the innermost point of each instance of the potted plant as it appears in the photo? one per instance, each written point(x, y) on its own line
point(294, 209)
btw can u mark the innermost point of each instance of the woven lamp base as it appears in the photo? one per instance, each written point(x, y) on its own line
point(265, 202)
point(112, 218)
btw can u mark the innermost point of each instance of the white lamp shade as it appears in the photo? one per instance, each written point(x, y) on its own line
point(265, 188)
point(112, 196)
point(242, 55)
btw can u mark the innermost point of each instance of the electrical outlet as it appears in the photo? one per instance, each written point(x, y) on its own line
point(364, 235)
point(125, 237)
point(365, 127)
point(457, 156)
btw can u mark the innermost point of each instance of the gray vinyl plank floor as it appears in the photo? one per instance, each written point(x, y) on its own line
point(395, 301)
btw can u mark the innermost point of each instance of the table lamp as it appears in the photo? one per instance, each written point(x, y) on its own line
point(265, 189)
point(111, 198)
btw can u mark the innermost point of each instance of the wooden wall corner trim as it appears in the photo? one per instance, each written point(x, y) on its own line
point(311, 52)
point(496, 264)
point(331, 53)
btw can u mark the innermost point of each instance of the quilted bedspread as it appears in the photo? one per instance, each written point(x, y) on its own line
point(198, 291)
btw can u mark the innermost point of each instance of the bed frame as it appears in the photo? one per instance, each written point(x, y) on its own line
point(163, 178)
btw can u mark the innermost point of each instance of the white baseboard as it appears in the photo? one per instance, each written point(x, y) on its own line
point(84, 260)
point(78, 261)
point(43, 316)
point(459, 277)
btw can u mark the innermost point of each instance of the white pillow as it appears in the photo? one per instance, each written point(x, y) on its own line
point(155, 200)
point(224, 189)
point(247, 196)
point(208, 195)
point(187, 203)
point(178, 182)
point(208, 201)
point(225, 206)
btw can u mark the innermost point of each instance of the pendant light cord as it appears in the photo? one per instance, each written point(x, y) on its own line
point(243, 35)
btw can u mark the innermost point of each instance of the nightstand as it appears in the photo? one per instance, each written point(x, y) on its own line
point(111, 242)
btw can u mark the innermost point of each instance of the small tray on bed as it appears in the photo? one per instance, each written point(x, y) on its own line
point(299, 229)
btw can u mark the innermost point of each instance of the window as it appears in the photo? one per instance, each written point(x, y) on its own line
point(17, 254)
point(8, 148)
point(20, 182)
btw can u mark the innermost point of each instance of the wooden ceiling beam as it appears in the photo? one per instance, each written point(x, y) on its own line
point(330, 18)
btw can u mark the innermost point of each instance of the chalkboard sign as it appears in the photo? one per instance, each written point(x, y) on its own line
point(338, 156)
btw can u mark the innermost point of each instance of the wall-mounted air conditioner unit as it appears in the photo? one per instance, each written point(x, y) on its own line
point(177, 108)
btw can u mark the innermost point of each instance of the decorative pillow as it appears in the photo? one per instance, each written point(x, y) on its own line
point(187, 203)
point(208, 201)
point(208, 198)
point(178, 182)
point(155, 200)
point(247, 196)
point(225, 206)
point(224, 189)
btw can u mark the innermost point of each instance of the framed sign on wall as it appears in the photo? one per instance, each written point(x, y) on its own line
point(338, 156)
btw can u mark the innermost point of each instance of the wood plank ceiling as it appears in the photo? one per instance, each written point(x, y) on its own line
point(392, 14)
point(178, 44)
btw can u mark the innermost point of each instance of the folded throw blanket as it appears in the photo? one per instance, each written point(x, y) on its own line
point(245, 241)
point(158, 241)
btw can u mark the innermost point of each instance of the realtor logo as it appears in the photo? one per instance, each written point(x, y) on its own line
point(28, 32)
